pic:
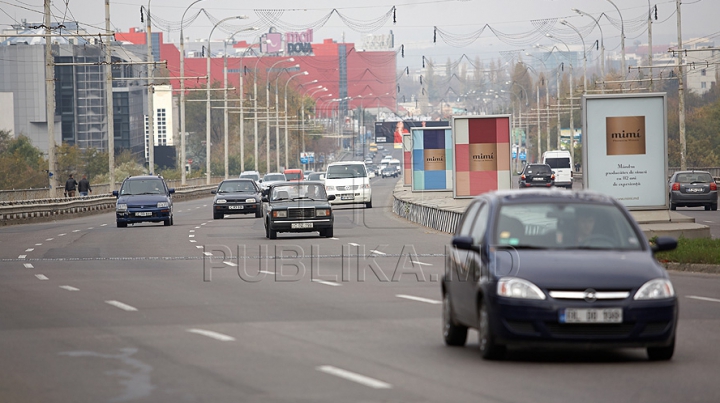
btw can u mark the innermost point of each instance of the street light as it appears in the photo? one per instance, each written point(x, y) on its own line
point(304, 73)
point(602, 47)
point(622, 38)
point(207, 91)
point(183, 157)
point(572, 123)
point(150, 142)
point(564, 22)
point(267, 114)
point(242, 107)
point(277, 117)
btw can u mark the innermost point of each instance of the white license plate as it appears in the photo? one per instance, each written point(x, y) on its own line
point(297, 225)
point(538, 179)
point(694, 190)
point(236, 207)
point(579, 315)
point(347, 197)
point(143, 214)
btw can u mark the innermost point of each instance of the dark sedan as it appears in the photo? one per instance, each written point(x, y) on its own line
point(693, 189)
point(144, 198)
point(555, 268)
point(536, 175)
point(237, 196)
point(298, 207)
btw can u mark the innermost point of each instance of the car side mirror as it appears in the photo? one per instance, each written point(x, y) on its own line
point(331, 197)
point(115, 193)
point(265, 199)
point(259, 180)
point(664, 243)
point(171, 190)
point(465, 243)
point(213, 191)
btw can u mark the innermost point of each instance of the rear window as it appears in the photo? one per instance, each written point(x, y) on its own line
point(695, 177)
point(538, 169)
point(293, 176)
point(558, 162)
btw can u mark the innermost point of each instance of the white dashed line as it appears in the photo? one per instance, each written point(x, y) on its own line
point(266, 272)
point(421, 263)
point(207, 253)
point(28, 266)
point(212, 335)
point(703, 298)
point(29, 249)
point(91, 227)
point(22, 256)
point(419, 299)
point(203, 223)
point(69, 288)
point(353, 244)
point(38, 244)
point(50, 239)
point(708, 221)
point(41, 277)
point(326, 282)
point(354, 377)
point(377, 252)
point(62, 234)
point(192, 240)
point(335, 239)
point(199, 246)
point(191, 236)
point(76, 230)
point(231, 264)
point(197, 227)
point(122, 306)
point(192, 230)
point(102, 225)
point(204, 205)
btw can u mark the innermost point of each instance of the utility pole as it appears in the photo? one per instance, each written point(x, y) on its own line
point(109, 99)
point(225, 107)
point(537, 109)
point(572, 123)
point(547, 115)
point(50, 99)
point(151, 92)
point(650, 48)
point(681, 91)
point(559, 127)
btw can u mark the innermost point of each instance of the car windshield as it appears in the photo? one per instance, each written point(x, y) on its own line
point(564, 226)
point(292, 176)
point(694, 177)
point(251, 176)
point(236, 186)
point(309, 191)
point(537, 170)
point(272, 178)
point(143, 187)
point(346, 171)
point(315, 176)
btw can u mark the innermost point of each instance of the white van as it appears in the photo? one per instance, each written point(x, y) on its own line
point(349, 182)
point(562, 165)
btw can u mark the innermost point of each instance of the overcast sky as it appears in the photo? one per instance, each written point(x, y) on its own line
point(520, 23)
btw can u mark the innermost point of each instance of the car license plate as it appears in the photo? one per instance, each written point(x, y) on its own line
point(143, 214)
point(346, 197)
point(538, 179)
point(695, 190)
point(236, 207)
point(605, 315)
point(297, 225)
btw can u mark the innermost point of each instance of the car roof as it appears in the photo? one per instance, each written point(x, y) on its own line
point(297, 183)
point(238, 180)
point(143, 177)
point(548, 195)
point(691, 172)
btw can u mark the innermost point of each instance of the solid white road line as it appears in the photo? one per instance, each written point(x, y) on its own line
point(326, 282)
point(28, 266)
point(420, 299)
point(377, 252)
point(703, 298)
point(22, 256)
point(124, 307)
point(41, 277)
point(211, 334)
point(354, 377)
point(69, 288)
point(231, 264)
point(29, 249)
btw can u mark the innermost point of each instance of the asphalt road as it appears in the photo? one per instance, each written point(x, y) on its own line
point(94, 313)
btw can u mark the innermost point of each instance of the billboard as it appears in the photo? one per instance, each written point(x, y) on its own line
point(392, 132)
point(625, 148)
point(482, 154)
point(407, 160)
point(431, 158)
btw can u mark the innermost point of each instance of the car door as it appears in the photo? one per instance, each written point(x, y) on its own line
point(474, 267)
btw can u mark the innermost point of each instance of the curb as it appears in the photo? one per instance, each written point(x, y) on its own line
point(692, 267)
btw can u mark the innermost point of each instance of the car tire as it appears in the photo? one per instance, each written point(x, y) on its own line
point(673, 206)
point(661, 353)
point(713, 207)
point(454, 335)
point(122, 225)
point(327, 233)
point(267, 231)
point(368, 204)
point(272, 234)
point(707, 207)
point(258, 213)
point(167, 222)
point(217, 216)
point(489, 350)
point(172, 220)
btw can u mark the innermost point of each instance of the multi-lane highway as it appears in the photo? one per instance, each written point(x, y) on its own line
point(94, 313)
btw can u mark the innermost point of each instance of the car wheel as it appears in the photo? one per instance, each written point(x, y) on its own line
point(167, 222)
point(453, 334)
point(122, 225)
point(661, 353)
point(368, 204)
point(673, 206)
point(486, 339)
point(258, 213)
point(217, 216)
point(707, 207)
point(328, 233)
point(172, 220)
point(271, 233)
point(267, 231)
point(713, 207)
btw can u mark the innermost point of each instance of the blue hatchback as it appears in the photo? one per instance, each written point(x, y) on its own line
point(143, 199)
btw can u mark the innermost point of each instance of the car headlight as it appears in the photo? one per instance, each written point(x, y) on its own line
point(655, 289)
point(325, 212)
point(121, 207)
point(249, 200)
point(513, 287)
point(279, 213)
point(330, 188)
point(366, 186)
point(163, 205)
point(220, 201)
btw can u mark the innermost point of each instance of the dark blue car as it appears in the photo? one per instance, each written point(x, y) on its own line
point(555, 268)
point(143, 199)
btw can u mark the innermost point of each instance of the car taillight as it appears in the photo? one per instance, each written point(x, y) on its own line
point(675, 186)
point(522, 177)
point(552, 176)
point(713, 186)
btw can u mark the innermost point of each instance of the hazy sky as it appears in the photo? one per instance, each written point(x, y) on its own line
point(521, 23)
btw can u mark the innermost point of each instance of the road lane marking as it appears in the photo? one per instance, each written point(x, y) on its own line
point(121, 305)
point(199, 246)
point(203, 223)
point(69, 288)
point(192, 240)
point(62, 234)
point(708, 221)
point(421, 263)
point(266, 272)
point(22, 256)
point(419, 299)
point(335, 239)
point(207, 253)
point(703, 298)
point(353, 244)
point(29, 249)
point(377, 252)
point(76, 230)
point(192, 230)
point(204, 205)
point(38, 244)
point(231, 264)
point(197, 227)
point(212, 335)
point(91, 227)
point(41, 277)
point(354, 377)
point(102, 225)
point(191, 236)
point(326, 282)
point(50, 239)
point(28, 266)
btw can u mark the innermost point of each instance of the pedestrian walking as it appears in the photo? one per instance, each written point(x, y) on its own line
point(70, 186)
point(84, 186)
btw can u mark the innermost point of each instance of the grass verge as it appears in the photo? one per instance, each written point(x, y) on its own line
point(701, 250)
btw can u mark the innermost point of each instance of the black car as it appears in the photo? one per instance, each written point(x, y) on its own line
point(556, 268)
point(693, 189)
point(298, 207)
point(144, 198)
point(237, 196)
point(389, 171)
point(536, 175)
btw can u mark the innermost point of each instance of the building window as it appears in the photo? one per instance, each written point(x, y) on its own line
point(703, 85)
point(703, 72)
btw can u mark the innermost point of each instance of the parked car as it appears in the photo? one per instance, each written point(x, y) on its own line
point(693, 189)
point(539, 268)
point(237, 196)
point(534, 175)
point(144, 198)
point(301, 206)
point(254, 175)
point(271, 178)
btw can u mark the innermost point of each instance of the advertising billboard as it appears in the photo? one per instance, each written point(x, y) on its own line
point(392, 132)
point(482, 154)
point(407, 160)
point(431, 158)
point(625, 148)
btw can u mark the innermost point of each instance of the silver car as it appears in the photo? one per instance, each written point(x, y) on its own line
point(693, 189)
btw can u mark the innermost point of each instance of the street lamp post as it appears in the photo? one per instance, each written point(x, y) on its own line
point(304, 73)
point(622, 39)
point(302, 109)
point(277, 119)
point(267, 115)
point(584, 53)
point(151, 90)
point(602, 47)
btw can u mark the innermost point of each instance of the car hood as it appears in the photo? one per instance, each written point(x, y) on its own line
point(145, 200)
point(246, 195)
point(580, 269)
point(299, 203)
